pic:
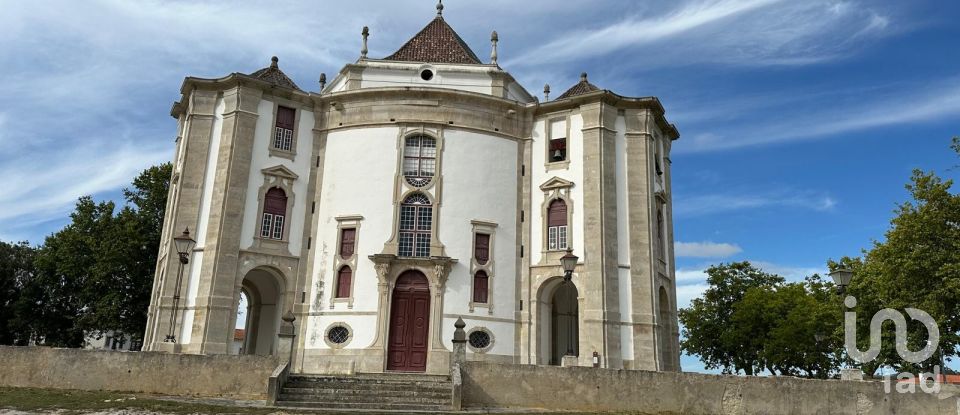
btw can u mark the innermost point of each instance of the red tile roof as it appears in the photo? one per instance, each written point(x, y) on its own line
point(580, 88)
point(274, 75)
point(436, 43)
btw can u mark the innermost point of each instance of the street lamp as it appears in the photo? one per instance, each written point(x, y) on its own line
point(841, 277)
point(569, 262)
point(184, 244)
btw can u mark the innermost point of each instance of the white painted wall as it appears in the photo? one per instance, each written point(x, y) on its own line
point(409, 75)
point(540, 175)
point(358, 179)
point(262, 159)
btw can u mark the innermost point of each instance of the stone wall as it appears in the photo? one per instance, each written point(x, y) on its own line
point(239, 377)
point(487, 385)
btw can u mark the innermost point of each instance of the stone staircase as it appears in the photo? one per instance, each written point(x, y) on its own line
point(370, 391)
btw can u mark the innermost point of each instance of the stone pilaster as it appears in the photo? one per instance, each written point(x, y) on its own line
point(219, 270)
point(640, 223)
point(183, 211)
point(599, 284)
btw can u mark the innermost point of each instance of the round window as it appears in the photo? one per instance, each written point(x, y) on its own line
point(479, 339)
point(338, 334)
point(426, 74)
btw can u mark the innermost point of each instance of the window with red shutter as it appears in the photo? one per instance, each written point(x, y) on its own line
point(283, 131)
point(558, 149)
point(344, 279)
point(274, 213)
point(557, 225)
point(480, 284)
point(481, 248)
point(347, 242)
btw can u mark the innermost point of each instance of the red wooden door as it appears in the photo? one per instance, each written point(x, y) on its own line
point(409, 323)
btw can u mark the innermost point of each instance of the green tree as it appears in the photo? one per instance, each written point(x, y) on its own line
point(708, 320)
point(95, 275)
point(16, 269)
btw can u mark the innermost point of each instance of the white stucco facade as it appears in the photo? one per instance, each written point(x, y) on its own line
point(304, 202)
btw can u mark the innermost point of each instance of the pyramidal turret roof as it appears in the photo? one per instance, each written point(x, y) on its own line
point(436, 43)
point(580, 88)
point(274, 75)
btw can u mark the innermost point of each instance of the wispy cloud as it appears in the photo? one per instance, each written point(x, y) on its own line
point(705, 249)
point(768, 32)
point(708, 204)
point(806, 116)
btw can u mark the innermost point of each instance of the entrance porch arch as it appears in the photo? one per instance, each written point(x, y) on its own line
point(264, 290)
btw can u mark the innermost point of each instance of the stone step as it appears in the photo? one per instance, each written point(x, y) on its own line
point(411, 400)
point(438, 393)
point(357, 386)
point(419, 380)
point(370, 406)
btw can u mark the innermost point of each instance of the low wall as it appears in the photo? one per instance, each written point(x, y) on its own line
point(238, 377)
point(488, 385)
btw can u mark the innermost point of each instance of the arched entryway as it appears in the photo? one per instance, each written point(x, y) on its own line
point(409, 323)
point(263, 290)
point(564, 323)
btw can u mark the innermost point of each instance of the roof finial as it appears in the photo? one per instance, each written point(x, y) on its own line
point(273, 62)
point(439, 8)
point(494, 38)
point(323, 80)
point(363, 49)
point(546, 92)
point(583, 77)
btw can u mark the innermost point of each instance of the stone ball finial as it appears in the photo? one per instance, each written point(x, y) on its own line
point(459, 336)
point(583, 76)
point(366, 31)
point(323, 80)
point(494, 36)
point(274, 61)
point(440, 8)
point(288, 317)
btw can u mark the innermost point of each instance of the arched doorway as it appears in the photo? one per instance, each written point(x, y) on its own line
point(664, 329)
point(409, 323)
point(564, 323)
point(264, 295)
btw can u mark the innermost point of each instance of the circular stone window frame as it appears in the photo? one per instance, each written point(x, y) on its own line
point(423, 74)
point(489, 334)
point(330, 343)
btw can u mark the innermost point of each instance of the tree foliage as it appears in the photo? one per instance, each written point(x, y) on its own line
point(92, 276)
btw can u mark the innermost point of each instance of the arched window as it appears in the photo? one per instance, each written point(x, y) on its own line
point(416, 218)
point(344, 279)
point(557, 225)
point(419, 159)
point(661, 245)
point(274, 212)
point(480, 283)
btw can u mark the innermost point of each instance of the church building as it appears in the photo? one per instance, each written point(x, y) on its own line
point(410, 191)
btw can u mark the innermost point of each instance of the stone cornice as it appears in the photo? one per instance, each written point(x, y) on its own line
point(234, 80)
point(618, 101)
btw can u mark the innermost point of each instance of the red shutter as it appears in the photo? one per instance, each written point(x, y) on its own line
point(558, 144)
point(481, 248)
point(557, 213)
point(285, 117)
point(347, 238)
point(344, 279)
point(480, 282)
point(275, 202)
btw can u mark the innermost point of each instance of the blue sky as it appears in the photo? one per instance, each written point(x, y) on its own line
point(800, 121)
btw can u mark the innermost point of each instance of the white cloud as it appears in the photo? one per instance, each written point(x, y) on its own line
point(686, 293)
point(708, 204)
point(705, 249)
point(767, 32)
point(804, 116)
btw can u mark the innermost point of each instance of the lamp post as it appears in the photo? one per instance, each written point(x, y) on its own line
point(841, 277)
point(184, 244)
point(569, 262)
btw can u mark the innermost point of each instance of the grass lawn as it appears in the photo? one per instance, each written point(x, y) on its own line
point(72, 401)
